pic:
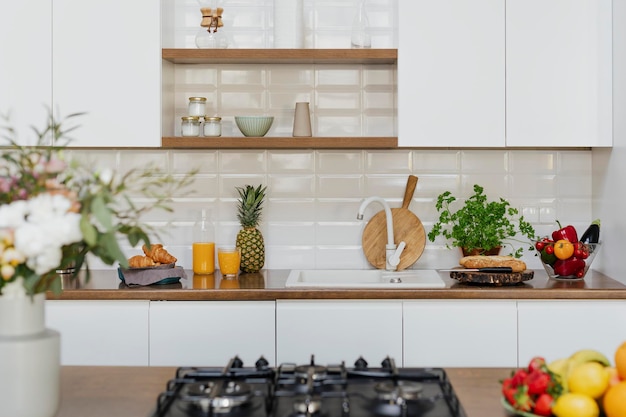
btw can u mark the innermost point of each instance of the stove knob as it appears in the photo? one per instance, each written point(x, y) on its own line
point(262, 363)
point(360, 364)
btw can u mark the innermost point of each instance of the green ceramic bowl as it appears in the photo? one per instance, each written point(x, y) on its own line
point(254, 125)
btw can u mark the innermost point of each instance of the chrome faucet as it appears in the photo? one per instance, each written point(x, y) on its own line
point(392, 251)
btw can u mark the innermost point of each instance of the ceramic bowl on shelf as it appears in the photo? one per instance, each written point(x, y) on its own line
point(254, 125)
point(574, 267)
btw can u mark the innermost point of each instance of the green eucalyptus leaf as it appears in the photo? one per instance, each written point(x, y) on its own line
point(102, 212)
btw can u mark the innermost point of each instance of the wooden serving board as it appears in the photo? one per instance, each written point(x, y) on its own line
point(497, 279)
point(407, 227)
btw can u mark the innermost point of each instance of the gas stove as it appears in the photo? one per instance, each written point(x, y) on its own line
point(309, 390)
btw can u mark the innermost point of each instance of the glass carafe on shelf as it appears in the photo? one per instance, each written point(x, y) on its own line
point(209, 36)
point(361, 37)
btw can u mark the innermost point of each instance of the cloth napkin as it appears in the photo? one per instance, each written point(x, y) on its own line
point(151, 276)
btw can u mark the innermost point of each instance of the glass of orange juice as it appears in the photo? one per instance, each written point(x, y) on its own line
point(229, 259)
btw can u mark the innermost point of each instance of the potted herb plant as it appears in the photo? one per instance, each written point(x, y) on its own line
point(480, 226)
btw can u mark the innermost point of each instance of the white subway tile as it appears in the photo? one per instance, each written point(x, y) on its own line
point(389, 161)
point(330, 162)
point(339, 186)
point(291, 161)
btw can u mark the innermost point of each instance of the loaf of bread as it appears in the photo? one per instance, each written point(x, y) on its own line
point(482, 261)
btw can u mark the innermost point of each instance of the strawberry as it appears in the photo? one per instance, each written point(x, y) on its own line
point(523, 401)
point(537, 382)
point(518, 377)
point(537, 364)
point(508, 390)
point(543, 405)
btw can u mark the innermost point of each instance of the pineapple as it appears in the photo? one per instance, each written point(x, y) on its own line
point(249, 238)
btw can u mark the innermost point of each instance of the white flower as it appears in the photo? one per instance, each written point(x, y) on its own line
point(48, 226)
point(13, 215)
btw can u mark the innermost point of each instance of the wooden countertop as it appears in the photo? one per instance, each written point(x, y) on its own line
point(270, 285)
point(103, 391)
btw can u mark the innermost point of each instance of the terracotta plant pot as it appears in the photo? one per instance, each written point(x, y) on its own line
point(478, 251)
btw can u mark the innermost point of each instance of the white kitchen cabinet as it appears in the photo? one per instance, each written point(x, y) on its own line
point(451, 71)
point(541, 68)
point(209, 333)
point(107, 63)
point(557, 328)
point(460, 333)
point(26, 69)
point(96, 332)
point(558, 73)
point(337, 330)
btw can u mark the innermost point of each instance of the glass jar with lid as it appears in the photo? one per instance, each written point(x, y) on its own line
point(190, 126)
point(197, 106)
point(212, 126)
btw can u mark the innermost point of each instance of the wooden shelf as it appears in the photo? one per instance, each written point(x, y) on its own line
point(281, 56)
point(280, 142)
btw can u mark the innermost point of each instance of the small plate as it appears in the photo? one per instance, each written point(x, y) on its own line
point(513, 412)
point(162, 266)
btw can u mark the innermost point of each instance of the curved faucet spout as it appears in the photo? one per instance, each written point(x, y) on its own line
point(390, 241)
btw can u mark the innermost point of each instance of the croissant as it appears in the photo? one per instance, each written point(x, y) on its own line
point(139, 261)
point(159, 254)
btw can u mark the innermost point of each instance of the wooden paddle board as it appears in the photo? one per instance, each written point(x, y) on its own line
point(407, 227)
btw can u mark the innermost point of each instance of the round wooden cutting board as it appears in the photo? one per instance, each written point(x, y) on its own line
point(407, 227)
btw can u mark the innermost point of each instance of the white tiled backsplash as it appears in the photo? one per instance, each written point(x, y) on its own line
point(309, 219)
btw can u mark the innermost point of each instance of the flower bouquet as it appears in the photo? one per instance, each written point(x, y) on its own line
point(55, 211)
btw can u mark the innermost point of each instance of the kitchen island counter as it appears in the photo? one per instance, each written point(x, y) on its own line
point(270, 285)
point(132, 391)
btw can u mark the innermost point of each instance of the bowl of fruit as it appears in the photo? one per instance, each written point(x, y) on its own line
point(564, 255)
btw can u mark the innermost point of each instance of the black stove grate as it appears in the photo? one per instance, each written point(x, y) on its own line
point(311, 390)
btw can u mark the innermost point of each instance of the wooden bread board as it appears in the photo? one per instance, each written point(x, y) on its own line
point(407, 228)
point(497, 279)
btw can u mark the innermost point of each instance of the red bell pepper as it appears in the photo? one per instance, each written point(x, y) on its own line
point(569, 267)
point(568, 232)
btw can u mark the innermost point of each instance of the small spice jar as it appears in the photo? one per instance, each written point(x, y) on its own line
point(190, 126)
point(197, 106)
point(212, 126)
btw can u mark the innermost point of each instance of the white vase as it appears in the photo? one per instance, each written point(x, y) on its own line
point(30, 358)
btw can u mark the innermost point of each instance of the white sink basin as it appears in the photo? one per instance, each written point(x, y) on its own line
point(363, 278)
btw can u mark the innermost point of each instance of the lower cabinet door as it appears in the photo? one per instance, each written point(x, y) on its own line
point(556, 329)
point(338, 330)
point(210, 333)
point(460, 333)
point(99, 332)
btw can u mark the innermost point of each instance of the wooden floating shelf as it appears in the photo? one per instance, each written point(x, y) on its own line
point(280, 142)
point(280, 56)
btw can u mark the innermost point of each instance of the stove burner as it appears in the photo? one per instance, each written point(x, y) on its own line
point(218, 396)
point(393, 391)
point(307, 406)
point(310, 372)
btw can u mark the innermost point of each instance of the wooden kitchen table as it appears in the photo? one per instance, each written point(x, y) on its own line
point(105, 391)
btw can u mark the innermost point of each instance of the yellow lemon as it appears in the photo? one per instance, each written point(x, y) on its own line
point(589, 378)
point(572, 404)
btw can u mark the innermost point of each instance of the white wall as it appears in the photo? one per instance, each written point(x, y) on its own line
point(609, 165)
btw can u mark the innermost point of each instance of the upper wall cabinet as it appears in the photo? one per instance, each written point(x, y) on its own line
point(451, 73)
point(558, 73)
point(26, 69)
point(107, 63)
point(495, 73)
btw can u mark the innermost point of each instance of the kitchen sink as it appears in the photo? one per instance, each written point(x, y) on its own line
point(364, 278)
